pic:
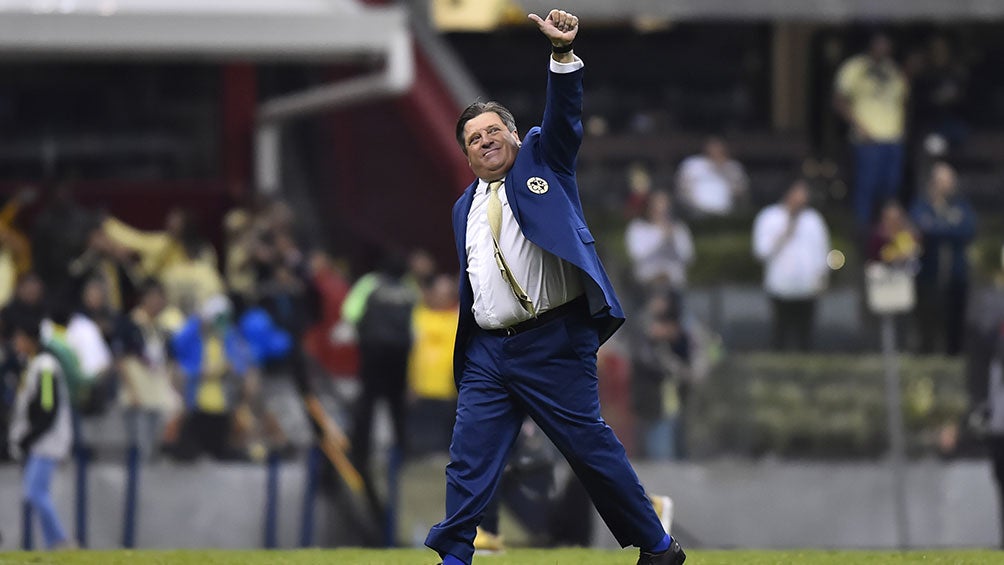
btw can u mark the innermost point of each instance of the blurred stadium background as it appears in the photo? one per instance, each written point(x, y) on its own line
point(277, 151)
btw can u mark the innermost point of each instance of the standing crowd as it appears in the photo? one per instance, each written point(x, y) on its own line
point(902, 121)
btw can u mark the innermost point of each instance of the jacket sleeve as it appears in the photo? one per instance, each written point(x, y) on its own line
point(36, 405)
point(561, 127)
point(354, 306)
point(19, 425)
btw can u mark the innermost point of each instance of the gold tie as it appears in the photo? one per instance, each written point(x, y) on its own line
point(495, 225)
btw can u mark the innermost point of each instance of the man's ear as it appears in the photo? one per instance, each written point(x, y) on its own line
point(515, 137)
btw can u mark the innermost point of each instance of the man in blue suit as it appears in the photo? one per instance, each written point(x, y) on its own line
point(535, 305)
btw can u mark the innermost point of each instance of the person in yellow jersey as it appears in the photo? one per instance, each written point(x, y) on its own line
point(432, 394)
point(871, 93)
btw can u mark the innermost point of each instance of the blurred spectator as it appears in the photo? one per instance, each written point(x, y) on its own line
point(639, 181)
point(159, 250)
point(15, 247)
point(147, 394)
point(940, 93)
point(28, 304)
point(792, 241)
point(288, 293)
point(380, 306)
point(338, 359)
point(987, 373)
point(104, 259)
point(41, 432)
point(711, 183)
point(238, 267)
point(80, 387)
point(89, 331)
point(271, 240)
point(894, 240)
point(430, 368)
point(660, 246)
point(268, 268)
point(421, 268)
point(660, 373)
point(947, 225)
point(58, 237)
point(212, 356)
point(191, 279)
point(871, 95)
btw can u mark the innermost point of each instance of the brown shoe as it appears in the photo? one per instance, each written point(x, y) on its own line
point(672, 556)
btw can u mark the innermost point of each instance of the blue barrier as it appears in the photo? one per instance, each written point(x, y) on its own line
point(83, 459)
point(272, 501)
point(309, 494)
point(132, 488)
point(394, 460)
point(27, 542)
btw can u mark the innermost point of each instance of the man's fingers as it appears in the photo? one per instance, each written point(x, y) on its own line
point(558, 19)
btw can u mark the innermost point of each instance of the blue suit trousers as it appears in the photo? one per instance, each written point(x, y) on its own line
point(878, 179)
point(549, 374)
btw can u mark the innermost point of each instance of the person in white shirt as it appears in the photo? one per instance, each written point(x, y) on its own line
point(660, 246)
point(84, 334)
point(792, 241)
point(711, 183)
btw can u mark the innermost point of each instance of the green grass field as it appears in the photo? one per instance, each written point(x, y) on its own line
point(512, 557)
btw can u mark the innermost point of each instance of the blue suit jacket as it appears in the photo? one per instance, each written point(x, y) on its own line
point(552, 220)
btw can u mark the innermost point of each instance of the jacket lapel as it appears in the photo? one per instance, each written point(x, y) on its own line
point(463, 208)
point(511, 196)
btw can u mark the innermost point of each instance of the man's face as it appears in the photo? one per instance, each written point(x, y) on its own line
point(30, 291)
point(942, 180)
point(24, 346)
point(716, 151)
point(154, 302)
point(880, 48)
point(491, 147)
point(797, 197)
point(94, 296)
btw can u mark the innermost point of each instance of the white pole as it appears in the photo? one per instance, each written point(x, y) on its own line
point(268, 164)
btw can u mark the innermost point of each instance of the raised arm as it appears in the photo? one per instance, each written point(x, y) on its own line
point(561, 127)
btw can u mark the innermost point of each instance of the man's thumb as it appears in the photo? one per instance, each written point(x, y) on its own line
point(536, 19)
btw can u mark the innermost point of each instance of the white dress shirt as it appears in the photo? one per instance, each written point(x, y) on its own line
point(548, 281)
point(794, 268)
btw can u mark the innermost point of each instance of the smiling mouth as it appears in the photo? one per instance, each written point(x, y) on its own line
point(490, 152)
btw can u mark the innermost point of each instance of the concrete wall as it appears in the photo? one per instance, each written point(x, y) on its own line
point(724, 504)
point(181, 506)
point(827, 505)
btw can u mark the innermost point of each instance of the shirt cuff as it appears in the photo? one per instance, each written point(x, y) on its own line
point(565, 68)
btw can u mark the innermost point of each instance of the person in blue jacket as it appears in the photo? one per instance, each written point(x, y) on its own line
point(947, 225)
point(535, 305)
point(212, 352)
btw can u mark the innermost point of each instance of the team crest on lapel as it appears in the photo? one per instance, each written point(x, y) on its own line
point(537, 185)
